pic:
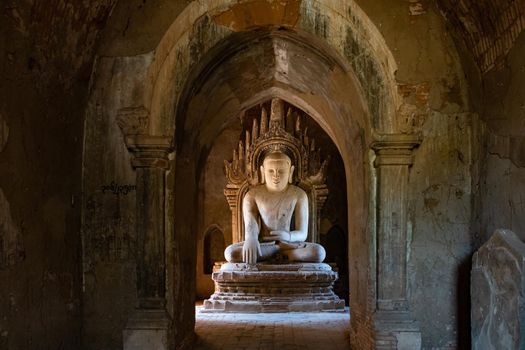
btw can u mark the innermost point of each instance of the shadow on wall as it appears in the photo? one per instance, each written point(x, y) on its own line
point(335, 243)
point(214, 247)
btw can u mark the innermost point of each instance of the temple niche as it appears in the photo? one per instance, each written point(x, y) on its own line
point(221, 192)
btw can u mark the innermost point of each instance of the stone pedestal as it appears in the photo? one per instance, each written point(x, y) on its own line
point(265, 287)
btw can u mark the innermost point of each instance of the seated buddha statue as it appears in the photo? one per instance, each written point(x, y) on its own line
point(268, 210)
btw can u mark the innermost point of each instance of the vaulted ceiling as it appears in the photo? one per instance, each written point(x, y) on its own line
point(488, 28)
point(62, 36)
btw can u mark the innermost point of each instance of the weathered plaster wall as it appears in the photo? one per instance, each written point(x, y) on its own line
point(46, 53)
point(133, 31)
point(440, 213)
point(430, 78)
point(109, 206)
point(503, 185)
point(137, 26)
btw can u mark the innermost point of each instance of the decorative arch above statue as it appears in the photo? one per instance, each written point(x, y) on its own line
point(279, 133)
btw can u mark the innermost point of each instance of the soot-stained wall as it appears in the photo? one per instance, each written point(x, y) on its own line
point(45, 64)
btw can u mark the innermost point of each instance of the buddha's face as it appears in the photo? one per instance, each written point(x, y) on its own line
point(277, 170)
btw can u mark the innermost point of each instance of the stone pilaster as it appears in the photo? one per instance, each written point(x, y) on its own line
point(149, 326)
point(394, 156)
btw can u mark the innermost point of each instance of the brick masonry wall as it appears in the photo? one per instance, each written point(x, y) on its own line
point(488, 28)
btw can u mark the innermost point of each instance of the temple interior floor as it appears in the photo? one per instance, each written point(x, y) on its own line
point(279, 331)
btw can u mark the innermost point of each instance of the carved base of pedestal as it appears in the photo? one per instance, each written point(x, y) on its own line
point(147, 329)
point(302, 287)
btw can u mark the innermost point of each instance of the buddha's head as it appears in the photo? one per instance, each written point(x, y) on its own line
point(277, 171)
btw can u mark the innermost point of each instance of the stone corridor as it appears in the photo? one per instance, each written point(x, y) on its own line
point(279, 331)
